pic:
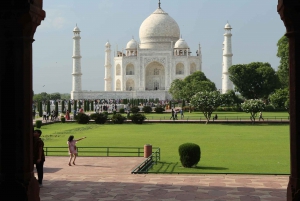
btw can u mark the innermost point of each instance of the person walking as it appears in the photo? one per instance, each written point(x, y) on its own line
point(172, 115)
point(175, 115)
point(72, 148)
point(67, 115)
point(38, 155)
point(181, 113)
point(260, 116)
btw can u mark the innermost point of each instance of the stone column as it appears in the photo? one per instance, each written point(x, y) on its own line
point(289, 11)
point(18, 22)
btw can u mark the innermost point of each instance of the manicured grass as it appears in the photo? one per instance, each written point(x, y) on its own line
point(226, 148)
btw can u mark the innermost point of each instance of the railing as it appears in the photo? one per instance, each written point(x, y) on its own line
point(98, 151)
point(221, 118)
point(148, 163)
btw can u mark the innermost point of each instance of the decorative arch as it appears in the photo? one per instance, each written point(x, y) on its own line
point(130, 85)
point(118, 85)
point(130, 69)
point(179, 69)
point(118, 69)
point(192, 68)
point(155, 76)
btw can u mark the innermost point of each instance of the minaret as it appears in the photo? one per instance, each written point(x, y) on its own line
point(76, 82)
point(199, 54)
point(227, 59)
point(108, 80)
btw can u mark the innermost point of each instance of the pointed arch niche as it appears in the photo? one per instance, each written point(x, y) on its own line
point(192, 68)
point(118, 69)
point(130, 69)
point(130, 85)
point(179, 69)
point(155, 76)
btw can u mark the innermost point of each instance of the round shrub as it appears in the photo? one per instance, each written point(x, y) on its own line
point(83, 118)
point(135, 109)
point(159, 109)
point(147, 109)
point(99, 118)
point(62, 119)
point(137, 118)
point(118, 119)
point(38, 123)
point(190, 154)
point(122, 110)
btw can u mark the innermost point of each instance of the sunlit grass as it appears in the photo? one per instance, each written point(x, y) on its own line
point(226, 148)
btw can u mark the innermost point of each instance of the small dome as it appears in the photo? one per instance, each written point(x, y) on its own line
point(107, 44)
point(76, 28)
point(227, 26)
point(132, 44)
point(181, 44)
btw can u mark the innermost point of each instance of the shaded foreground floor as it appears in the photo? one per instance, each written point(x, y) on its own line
point(109, 178)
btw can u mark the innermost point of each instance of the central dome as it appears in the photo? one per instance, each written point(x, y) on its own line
point(158, 30)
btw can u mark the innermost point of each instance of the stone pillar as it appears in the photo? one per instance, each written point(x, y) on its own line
point(289, 11)
point(18, 22)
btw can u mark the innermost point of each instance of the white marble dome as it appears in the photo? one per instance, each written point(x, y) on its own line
point(227, 26)
point(158, 30)
point(107, 44)
point(181, 44)
point(132, 44)
point(76, 28)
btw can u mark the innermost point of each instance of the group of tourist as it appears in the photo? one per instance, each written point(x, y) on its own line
point(175, 112)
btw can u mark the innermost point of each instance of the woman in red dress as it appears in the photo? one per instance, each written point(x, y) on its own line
point(67, 115)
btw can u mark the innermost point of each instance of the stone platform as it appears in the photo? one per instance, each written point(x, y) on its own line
point(109, 178)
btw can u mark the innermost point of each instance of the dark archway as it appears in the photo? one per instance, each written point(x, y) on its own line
point(18, 22)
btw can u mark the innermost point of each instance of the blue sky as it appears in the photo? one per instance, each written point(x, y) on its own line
point(256, 29)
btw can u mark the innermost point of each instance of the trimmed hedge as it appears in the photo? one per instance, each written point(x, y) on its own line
point(63, 120)
point(190, 154)
point(82, 118)
point(159, 109)
point(118, 119)
point(135, 109)
point(122, 110)
point(147, 109)
point(38, 123)
point(137, 118)
point(99, 118)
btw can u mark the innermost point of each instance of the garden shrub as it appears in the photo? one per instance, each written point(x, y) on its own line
point(114, 112)
point(190, 154)
point(105, 113)
point(122, 110)
point(82, 118)
point(159, 109)
point(99, 118)
point(137, 118)
point(38, 123)
point(147, 109)
point(62, 119)
point(135, 109)
point(118, 119)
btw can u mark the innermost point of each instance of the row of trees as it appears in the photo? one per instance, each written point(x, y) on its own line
point(43, 97)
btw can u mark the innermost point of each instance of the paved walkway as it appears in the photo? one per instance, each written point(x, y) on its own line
point(109, 178)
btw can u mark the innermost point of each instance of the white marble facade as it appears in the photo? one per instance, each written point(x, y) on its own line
point(147, 68)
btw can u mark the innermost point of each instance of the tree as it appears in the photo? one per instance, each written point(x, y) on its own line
point(230, 99)
point(253, 106)
point(196, 82)
point(255, 80)
point(69, 106)
point(279, 97)
point(207, 102)
point(283, 68)
point(55, 96)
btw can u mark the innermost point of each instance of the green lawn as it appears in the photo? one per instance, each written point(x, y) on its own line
point(226, 148)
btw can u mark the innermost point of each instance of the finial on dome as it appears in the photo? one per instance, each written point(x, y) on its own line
point(159, 4)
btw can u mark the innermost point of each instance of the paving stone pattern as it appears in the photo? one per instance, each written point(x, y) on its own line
point(109, 178)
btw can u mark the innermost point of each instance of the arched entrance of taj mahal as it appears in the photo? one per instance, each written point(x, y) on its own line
point(155, 76)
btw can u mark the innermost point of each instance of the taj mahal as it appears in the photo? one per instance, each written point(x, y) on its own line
point(147, 68)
